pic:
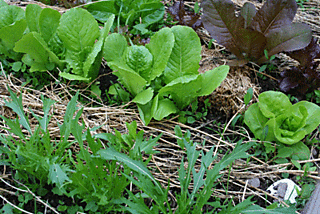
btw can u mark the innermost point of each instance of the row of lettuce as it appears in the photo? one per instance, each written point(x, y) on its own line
point(157, 75)
point(161, 76)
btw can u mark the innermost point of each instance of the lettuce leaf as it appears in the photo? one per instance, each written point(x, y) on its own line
point(163, 77)
point(12, 27)
point(248, 35)
point(274, 118)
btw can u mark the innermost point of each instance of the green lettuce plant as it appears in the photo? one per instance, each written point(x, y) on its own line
point(12, 27)
point(73, 42)
point(162, 76)
point(274, 118)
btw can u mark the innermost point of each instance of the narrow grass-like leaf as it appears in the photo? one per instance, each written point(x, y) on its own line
point(112, 154)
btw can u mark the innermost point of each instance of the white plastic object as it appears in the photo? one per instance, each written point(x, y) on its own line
point(290, 193)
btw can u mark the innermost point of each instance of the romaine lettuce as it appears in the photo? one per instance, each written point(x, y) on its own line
point(163, 77)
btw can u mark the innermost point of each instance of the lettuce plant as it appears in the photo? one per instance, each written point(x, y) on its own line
point(184, 17)
point(12, 27)
point(304, 78)
point(67, 41)
point(274, 118)
point(162, 76)
point(139, 15)
point(252, 32)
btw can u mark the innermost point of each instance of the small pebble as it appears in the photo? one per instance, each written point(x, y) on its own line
point(255, 182)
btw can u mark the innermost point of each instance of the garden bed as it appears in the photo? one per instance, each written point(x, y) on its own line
point(217, 129)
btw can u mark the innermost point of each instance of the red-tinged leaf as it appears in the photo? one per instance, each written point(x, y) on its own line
point(306, 55)
point(288, 38)
point(184, 17)
point(251, 43)
point(274, 14)
point(248, 11)
point(220, 20)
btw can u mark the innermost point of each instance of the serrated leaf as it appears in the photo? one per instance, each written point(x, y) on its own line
point(57, 175)
point(17, 107)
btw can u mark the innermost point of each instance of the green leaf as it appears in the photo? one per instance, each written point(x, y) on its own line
point(57, 175)
point(16, 66)
point(144, 97)
point(248, 96)
point(159, 51)
point(93, 62)
point(138, 166)
point(33, 44)
point(114, 48)
point(102, 10)
point(17, 107)
point(259, 210)
point(211, 79)
point(267, 102)
point(165, 108)
point(78, 31)
point(69, 76)
point(32, 16)
point(146, 110)
point(185, 56)
point(48, 23)
point(257, 122)
point(3, 3)
point(9, 35)
point(313, 118)
point(300, 151)
point(10, 14)
point(178, 88)
point(133, 82)
point(139, 59)
point(285, 152)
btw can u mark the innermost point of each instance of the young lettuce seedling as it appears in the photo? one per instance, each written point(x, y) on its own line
point(284, 122)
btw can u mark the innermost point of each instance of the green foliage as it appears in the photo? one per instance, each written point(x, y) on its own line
point(67, 41)
point(191, 198)
point(196, 113)
point(139, 15)
point(41, 160)
point(283, 122)
point(12, 26)
point(159, 74)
